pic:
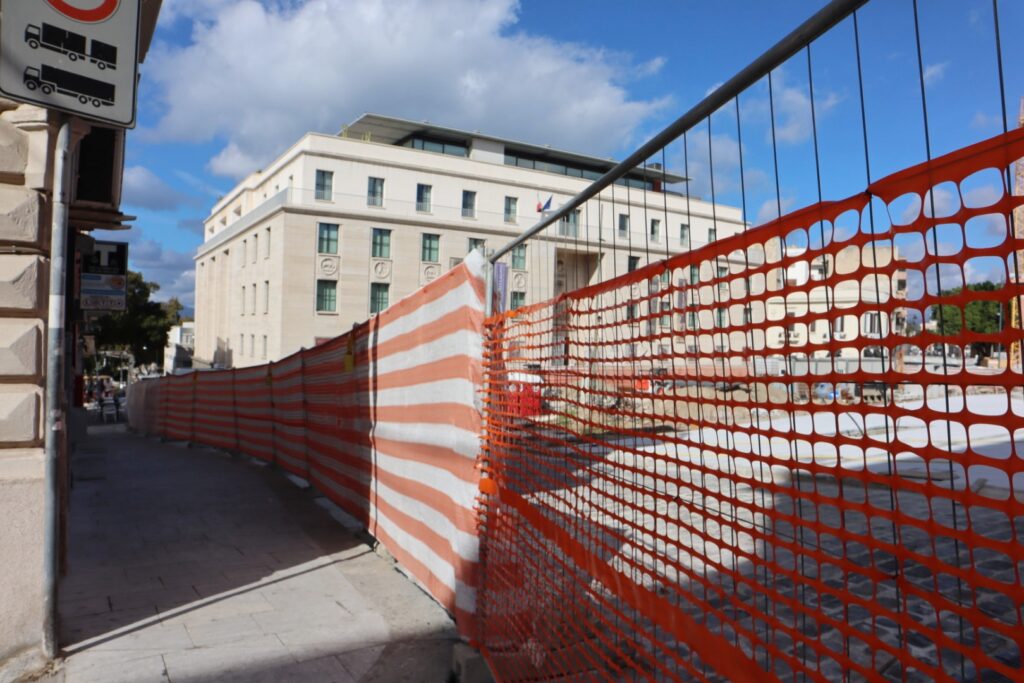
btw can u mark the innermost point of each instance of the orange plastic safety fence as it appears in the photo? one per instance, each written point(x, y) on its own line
point(214, 421)
point(794, 452)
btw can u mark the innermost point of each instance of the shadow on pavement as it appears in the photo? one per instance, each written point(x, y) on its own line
point(197, 566)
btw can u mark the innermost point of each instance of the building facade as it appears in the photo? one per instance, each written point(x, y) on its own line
point(340, 227)
point(181, 341)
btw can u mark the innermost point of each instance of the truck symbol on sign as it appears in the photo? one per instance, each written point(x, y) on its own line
point(48, 78)
point(71, 44)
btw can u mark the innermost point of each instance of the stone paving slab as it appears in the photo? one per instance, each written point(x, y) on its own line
point(188, 566)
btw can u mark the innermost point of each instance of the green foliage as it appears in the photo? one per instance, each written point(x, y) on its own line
point(983, 317)
point(142, 327)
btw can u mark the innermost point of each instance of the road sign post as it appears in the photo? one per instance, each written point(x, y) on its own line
point(79, 56)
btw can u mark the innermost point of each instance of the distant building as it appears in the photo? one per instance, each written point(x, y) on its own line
point(825, 316)
point(179, 349)
point(342, 226)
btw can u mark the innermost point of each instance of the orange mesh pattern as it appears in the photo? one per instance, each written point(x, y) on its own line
point(775, 455)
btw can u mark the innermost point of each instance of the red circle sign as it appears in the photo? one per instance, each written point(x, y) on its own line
point(99, 12)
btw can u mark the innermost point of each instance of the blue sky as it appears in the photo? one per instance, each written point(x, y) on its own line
point(229, 84)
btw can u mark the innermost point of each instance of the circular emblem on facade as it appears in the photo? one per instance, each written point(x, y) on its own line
point(519, 281)
point(382, 269)
point(328, 266)
point(431, 272)
point(86, 11)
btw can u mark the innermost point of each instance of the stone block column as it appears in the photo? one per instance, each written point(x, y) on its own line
point(27, 136)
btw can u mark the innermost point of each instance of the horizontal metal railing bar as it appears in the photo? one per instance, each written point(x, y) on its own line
point(819, 23)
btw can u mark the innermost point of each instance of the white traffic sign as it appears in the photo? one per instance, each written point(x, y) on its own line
point(104, 283)
point(79, 56)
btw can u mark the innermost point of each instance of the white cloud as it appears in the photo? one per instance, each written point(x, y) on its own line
point(144, 189)
point(196, 10)
point(983, 195)
point(984, 269)
point(193, 225)
point(257, 77)
point(183, 288)
point(794, 123)
point(713, 88)
point(793, 120)
point(199, 184)
point(933, 73)
point(725, 156)
point(986, 122)
point(941, 203)
point(650, 67)
point(769, 209)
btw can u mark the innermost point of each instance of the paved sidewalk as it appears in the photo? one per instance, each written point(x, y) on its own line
point(187, 565)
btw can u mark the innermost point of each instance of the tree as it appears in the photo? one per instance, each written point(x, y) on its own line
point(173, 309)
point(142, 327)
point(983, 316)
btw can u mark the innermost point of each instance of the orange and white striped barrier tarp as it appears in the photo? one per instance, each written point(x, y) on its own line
point(384, 420)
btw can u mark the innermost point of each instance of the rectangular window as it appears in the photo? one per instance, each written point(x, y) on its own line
point(691, 320)
point(375, 192)
point(423, 197)
point(324, 185)
point(684, 234)
point(379, 292)
point(720, 319)
point(255, 247)
point(326, 296)
point(511, 209)
point(655, 229)
point(623, 225)
point(476, 243)
point(468, 204)
point(254, 301)
point(241, 345)
point(519, 257)
point(694, 274)
point(327, 238)
point(518, 300)
point(872, 324)
point(634, 263)
point(245, 303)
point(266, 242)
point(266, 296)
point(430, 248)
point(244, 254)
point(569, 225)
point(381, 246)
point(712, 234)
point(264, 351)
point(252, 344)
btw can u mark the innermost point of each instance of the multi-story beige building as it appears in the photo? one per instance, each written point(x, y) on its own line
point(341, 226)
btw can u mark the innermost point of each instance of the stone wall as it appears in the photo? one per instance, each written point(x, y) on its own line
point(27, 136)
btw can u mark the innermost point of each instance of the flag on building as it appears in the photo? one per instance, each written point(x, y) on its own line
point(541, 208)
